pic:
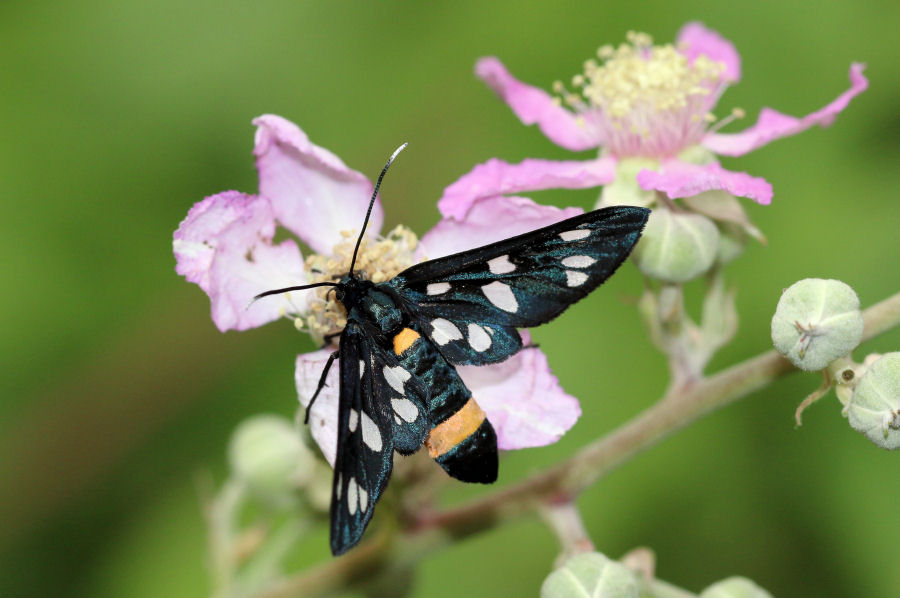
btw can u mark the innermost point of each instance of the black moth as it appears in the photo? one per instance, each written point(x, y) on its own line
point(398, 385)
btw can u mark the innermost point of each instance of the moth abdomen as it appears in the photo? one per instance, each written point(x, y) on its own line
point(465, 445)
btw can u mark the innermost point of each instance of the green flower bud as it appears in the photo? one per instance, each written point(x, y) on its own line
point(727, 212)
point(590, 574)
point(874, 407)
point(734, 587)
point(816, 322)
point(676, 247)
point(624, 190)
point(267, 454)
point(732, 240)
point(318, 491)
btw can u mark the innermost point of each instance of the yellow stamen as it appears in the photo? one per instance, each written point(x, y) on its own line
point(378, 260)
point(638, 74)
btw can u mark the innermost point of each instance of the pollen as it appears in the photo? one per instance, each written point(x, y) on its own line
point(644, 99)
point(378, 260)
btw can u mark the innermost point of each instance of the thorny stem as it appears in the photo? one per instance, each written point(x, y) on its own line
point(562, 482)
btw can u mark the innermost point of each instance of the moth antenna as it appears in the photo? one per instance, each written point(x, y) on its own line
point(288, 289)
point(372, 203)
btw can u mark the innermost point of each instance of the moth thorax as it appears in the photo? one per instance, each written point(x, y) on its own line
point(379, 259)
point(380, 308)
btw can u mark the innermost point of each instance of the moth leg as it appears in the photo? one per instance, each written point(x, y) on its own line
point(321, 384)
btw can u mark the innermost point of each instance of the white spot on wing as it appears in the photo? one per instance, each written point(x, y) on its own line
point(437, 288)
point(578, 261)
point(363, 499)
point(575, 279)
point(478, 338)
point(405, 409)
point(371, 435)
point(352, 496)
point(575, 235)
point(444, 331)
point(396, 377)
point(362, 368)
point(340, 486)
point(501, 295)
point(501, 265)
point(354, 418)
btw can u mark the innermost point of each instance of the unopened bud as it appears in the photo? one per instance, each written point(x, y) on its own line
point(734, 587)
point(816, 322)
point(590, 574)
point(676, 247)
point(874, 407)
point(267, 454)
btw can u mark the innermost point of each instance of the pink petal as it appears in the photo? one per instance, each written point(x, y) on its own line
point(535, 106)
point(313, 193)
point(772, 125)
point(521, 396)
point(490, 219)
point(324, 415)
point(680, 179)
point(523, 399)
point(694, 39)
point(496, 177)
point(224, 246)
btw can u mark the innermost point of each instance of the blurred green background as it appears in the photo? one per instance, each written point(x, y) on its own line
point(118, 393)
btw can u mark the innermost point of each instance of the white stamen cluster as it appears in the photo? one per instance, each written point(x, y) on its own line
point(646, 100)
point(378, 260)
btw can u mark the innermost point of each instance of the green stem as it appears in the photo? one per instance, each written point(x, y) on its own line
point(221, 516)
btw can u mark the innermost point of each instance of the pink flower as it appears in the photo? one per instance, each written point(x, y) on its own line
point(648, 110)
point(225, 246)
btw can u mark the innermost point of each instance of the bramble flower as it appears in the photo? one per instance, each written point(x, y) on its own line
point(226, 246)
point(648, 110)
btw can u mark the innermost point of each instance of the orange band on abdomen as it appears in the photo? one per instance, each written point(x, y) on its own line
point(404, 340)
point(454, 429)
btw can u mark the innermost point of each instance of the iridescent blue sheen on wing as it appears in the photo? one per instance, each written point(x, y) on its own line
point(369, 430)
point(519, 282)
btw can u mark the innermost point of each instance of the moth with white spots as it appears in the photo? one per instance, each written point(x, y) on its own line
point(399, 388)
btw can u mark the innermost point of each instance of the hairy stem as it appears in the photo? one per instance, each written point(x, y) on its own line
point(678, 408)
point(565, 521)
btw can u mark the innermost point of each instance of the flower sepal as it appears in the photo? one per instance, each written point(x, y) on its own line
point(624, 189)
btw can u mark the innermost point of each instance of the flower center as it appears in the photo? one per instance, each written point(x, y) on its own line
point(646, 100)
point(378, 260)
